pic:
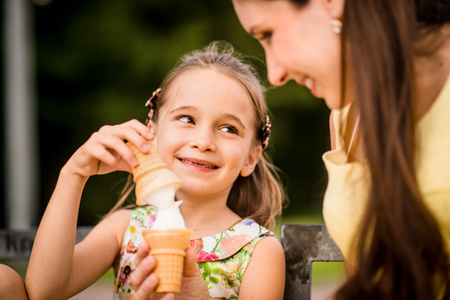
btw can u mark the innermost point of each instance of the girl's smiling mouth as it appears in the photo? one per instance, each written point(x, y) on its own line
point(198, 164)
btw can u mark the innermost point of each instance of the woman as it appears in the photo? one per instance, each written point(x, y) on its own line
point(383, 68)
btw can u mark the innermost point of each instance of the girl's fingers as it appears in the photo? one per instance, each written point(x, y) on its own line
point(102, 154)
point(142, 278)
point(146, 290)
point(133, 131)
point(141, 253)
point(190, 263)
point(143, 271)
point(145, 131)
point(108, 147)
point(118, 148)
point(168, 296)
point(193, 284)
point(105, 151)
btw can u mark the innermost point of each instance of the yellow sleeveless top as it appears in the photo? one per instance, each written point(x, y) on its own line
point(346, 194)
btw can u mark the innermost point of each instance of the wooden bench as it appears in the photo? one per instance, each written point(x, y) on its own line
point(17, 244)
point(303, 245)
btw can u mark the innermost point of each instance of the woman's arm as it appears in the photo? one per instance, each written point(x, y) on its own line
point(265, 275)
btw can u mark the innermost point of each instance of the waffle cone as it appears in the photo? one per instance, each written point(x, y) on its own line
point(168, 246)
point(151, 174)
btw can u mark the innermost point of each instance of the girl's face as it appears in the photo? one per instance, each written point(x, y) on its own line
point(205, 132)
point(298, 42)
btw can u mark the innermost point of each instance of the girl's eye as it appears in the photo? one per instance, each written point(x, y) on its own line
point(186, 119)
point(230, 129)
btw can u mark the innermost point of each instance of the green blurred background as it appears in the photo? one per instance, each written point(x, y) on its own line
point(98, 61)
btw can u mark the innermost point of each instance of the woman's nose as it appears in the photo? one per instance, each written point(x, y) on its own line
point(276, 74)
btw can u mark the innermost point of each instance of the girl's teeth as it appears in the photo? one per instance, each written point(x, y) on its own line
point(200, 165)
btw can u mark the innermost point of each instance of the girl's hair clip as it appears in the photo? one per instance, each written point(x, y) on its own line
point(265, 133)
point(151, 104)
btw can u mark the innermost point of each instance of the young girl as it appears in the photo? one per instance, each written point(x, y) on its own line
point(211, 128)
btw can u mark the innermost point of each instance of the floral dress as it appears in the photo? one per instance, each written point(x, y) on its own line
point(222, 258)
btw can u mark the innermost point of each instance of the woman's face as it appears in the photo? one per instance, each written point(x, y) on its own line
point(298, 42)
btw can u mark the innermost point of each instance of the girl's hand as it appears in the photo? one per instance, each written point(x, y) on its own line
point(144, 280)
point(105, 151)
point(193, 285)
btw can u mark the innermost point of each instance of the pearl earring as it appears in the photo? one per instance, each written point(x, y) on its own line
point(336, 26)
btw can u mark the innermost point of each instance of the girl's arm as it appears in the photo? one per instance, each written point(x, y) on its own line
point(265, 275)
point(57, 268)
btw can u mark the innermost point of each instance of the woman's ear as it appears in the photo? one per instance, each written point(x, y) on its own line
point(251, 162)
point(335, 8)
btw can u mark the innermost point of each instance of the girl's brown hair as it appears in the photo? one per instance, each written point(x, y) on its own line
point(401, 250)
point(259, 196)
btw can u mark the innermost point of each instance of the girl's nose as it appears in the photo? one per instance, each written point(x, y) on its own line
point(276, 74)
point(204, 141)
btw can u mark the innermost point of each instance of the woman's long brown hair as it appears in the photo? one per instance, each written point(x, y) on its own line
point(401, 252)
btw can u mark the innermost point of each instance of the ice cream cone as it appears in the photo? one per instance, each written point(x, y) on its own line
point(151, 174)
point(168, 246)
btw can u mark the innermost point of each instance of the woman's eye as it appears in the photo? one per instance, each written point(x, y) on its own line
point(264, 36)
point(186, 119)
point(230, 129)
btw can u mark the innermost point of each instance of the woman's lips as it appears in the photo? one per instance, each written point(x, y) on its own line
point(309, 83)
